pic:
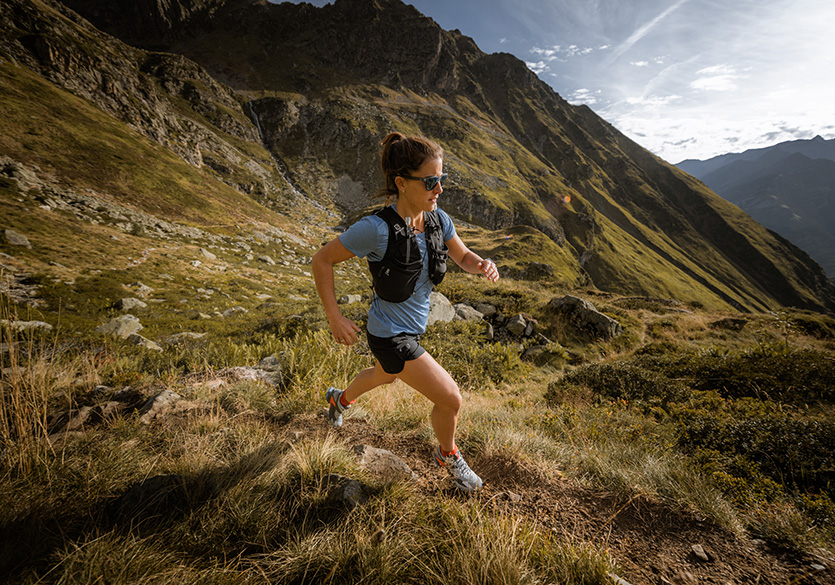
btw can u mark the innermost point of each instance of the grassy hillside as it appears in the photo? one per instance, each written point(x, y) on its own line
point(197, 451)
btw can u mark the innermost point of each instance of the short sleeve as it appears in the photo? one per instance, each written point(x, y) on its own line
point(446, 225)
point(367, 237)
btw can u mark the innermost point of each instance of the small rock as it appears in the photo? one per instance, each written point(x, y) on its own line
point(156, 405)
point(143, 290)
point(21, 326)
point(440, 309)
point(699, 551)
point(270, 363)
point(128, 304)
point(14, 238)
point(350, 491)
point(383, 463)
point(485, 309)
point(234, 311)
point(137, 339)
point(266, 260)
point(207, 255)
point(349, 299)
point(466, 313)
point(516, 325)
point(121, 326)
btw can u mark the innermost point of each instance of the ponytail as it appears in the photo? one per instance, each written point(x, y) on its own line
point(403, 155)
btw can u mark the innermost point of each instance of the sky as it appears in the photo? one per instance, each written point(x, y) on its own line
point(685, 79)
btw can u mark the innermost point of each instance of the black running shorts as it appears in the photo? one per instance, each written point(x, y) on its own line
point(394, 352)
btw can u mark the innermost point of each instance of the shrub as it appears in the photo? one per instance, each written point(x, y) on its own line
point(472, 360)
point(797, 376)
point(620, 381)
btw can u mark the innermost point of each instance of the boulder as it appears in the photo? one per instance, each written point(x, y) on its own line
point(440, 309)
point(585, 318)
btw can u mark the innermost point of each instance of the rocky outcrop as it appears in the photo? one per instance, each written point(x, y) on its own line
point(585, 318)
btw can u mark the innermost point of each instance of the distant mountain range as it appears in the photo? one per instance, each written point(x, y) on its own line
point(276, 112)
point(788, 188)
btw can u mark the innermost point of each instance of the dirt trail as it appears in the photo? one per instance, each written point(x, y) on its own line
point(651, 542)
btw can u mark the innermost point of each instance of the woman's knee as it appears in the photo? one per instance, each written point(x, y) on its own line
point(451, 398)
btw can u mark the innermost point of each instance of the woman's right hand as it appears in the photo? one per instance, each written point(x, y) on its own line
point(344, 330)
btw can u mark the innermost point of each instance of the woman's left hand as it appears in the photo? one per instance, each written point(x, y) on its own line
point(489, 269)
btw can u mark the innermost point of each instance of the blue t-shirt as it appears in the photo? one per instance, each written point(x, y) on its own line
point(369, 238)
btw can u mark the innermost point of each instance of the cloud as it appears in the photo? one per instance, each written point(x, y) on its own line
point(653, 101)
point(583, 96)
point(537, 67)
point(559, 53)
point(717, 78)
point(642, 32)
point(639, 63)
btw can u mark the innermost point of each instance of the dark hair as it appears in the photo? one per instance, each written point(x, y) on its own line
point(403, 155)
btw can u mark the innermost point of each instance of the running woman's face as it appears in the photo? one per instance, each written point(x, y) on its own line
point(415, 187)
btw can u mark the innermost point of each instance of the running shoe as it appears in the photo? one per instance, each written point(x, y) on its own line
point(463, 477)
point(335, 409)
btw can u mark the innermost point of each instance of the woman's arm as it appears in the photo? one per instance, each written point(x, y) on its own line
point(343, 329)
point(471, 262)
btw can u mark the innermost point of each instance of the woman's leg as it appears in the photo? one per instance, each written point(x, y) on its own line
point(366, 380)
point(429, 378)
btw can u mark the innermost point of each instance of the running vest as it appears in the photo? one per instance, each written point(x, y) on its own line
point(395, 276)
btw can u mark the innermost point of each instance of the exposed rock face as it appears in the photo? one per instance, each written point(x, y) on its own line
point(145, 90)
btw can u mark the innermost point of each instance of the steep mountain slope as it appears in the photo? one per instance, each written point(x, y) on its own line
point(787, 188)
point(323, 85)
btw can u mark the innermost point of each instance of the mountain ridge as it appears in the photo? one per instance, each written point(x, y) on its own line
point(517, 153)
point(786, 187)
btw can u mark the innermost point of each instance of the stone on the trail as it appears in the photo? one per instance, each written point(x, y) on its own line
point(266, 260)
point(349, 299)
point(383, 463)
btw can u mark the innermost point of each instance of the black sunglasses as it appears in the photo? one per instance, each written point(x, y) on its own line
point(430, 182)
